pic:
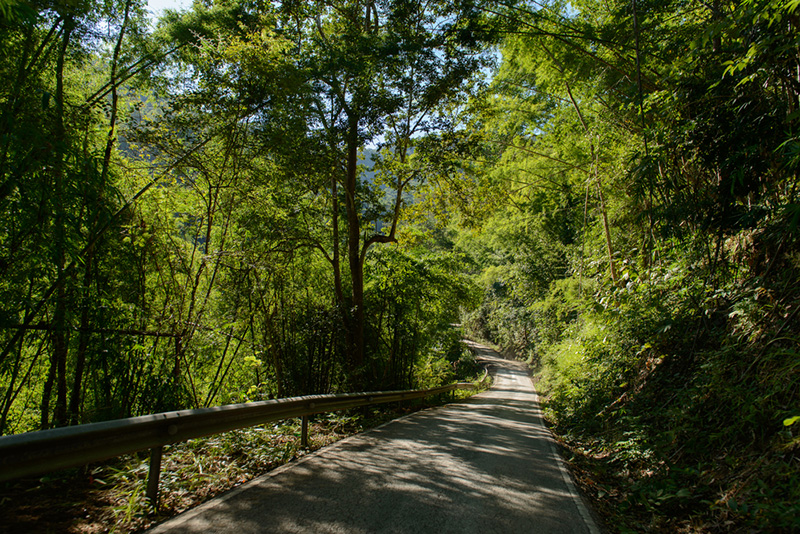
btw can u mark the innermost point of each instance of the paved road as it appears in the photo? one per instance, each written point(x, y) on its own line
point(485, 465)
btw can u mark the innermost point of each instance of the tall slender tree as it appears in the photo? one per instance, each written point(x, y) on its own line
point(379, 74)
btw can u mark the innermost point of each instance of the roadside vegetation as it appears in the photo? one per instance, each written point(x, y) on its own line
point(215, 210)
point(647, 264)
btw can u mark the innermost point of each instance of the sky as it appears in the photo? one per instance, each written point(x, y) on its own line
point(157, 6)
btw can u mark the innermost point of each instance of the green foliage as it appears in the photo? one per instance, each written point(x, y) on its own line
point(416, 299)
point(520, 256)
point(186, 218)
point(649, 152)
point(664, 381)
point(270, 199)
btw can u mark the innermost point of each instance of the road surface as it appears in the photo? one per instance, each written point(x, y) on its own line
point(484, 465)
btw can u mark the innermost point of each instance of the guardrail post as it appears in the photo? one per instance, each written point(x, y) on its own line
point(153, 475)
point(304, 433)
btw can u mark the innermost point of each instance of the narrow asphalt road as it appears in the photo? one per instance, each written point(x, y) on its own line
point(485, 465)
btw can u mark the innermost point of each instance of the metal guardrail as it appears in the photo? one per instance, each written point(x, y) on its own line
point(36, 453)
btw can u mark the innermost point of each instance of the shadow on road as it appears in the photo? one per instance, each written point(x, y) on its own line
point(479, 466)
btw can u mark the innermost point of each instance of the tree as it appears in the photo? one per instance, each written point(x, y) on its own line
point(57, 186)
point(367, 73)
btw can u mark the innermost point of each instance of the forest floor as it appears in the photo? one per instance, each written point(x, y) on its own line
point(109, 497)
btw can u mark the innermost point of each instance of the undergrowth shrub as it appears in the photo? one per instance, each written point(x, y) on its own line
point(675, 385)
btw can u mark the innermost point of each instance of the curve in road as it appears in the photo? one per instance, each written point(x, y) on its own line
point(485, 465)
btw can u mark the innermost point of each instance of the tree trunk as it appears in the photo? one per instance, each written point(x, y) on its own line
point(60, 335)
point(607, 232)
point(47, 392)
point(83, 343)
point(356, 313)
point(83, 337)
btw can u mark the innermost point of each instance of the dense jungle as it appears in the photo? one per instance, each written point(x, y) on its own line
point(256, 199)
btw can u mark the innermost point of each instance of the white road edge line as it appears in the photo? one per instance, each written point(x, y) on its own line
point(582, 510)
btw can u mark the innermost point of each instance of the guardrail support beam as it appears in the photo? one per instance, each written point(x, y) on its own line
point(304, 433)
point(35, 453)
point(154, 475)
